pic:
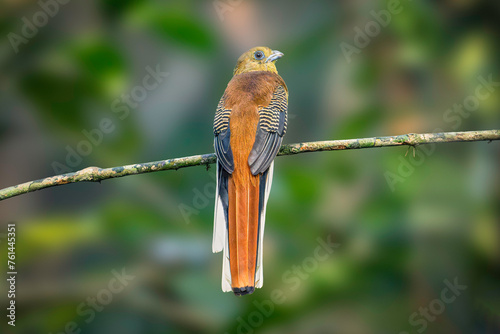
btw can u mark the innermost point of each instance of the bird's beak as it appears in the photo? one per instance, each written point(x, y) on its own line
point(274, 56)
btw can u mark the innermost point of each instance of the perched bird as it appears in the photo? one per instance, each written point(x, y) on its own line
point(249, 126)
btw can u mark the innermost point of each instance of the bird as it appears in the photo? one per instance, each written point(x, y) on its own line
point(249, 125)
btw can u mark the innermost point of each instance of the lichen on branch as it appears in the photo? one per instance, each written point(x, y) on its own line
point(96, 174)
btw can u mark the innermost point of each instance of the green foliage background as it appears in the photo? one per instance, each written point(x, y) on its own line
point(396, 247)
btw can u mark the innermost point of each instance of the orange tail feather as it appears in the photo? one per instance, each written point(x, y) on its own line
point(243, 214)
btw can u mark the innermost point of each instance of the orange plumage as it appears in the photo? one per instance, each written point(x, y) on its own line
point(249, 125)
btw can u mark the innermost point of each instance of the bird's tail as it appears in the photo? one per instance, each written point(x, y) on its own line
point(239, 229)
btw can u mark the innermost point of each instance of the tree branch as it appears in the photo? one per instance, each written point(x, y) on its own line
point(96, 174)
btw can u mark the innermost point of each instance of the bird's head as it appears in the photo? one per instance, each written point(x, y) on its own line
point(260, 58)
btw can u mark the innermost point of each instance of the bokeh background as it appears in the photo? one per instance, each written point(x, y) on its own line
point(397, 245)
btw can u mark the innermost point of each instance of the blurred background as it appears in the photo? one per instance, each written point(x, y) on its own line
point(77, 90)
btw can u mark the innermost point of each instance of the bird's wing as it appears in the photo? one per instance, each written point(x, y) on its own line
point(270, 131)
point(222, 134)
point(225, 166)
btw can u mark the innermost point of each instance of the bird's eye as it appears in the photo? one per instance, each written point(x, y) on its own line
point(259, 55)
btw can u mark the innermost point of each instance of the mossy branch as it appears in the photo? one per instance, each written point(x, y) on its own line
point(96, 174)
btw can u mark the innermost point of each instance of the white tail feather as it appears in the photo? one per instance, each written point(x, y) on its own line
point(226, 269)
point(220, 240)
point(219, 219)
point(259, 275)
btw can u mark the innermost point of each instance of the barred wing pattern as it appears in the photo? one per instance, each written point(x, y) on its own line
point(222, 134)
point(270, 131)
